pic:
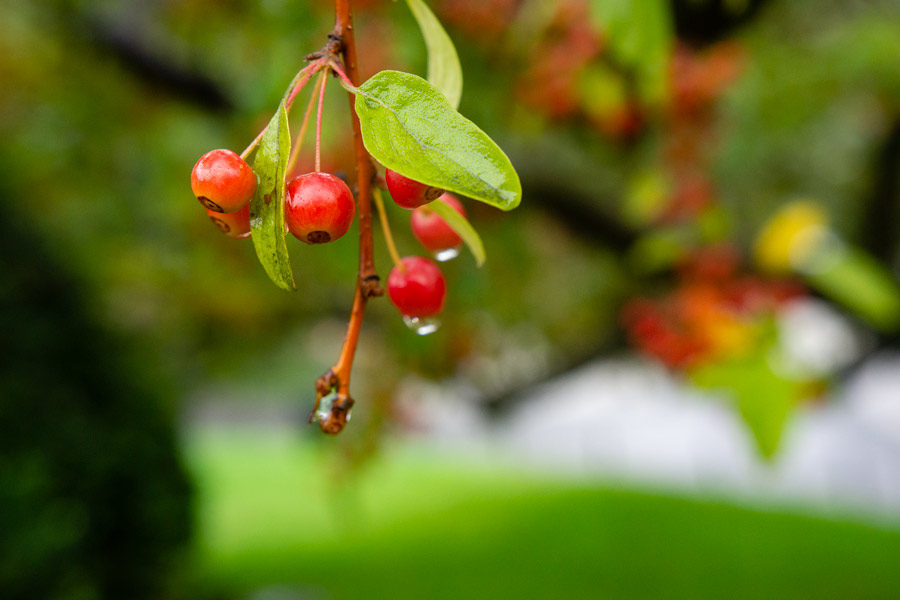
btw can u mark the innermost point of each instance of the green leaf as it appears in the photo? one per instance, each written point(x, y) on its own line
point(444, 70)
point(764, 398)
point(267, 205)
point(857, 281)
point(462, 227)
point(409, 127)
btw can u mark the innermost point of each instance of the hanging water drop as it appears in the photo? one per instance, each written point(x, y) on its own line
point(323, 410)
point(446, 254)
point(422, 325)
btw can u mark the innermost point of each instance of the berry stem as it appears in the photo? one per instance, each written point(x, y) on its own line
point(322, 81)
point(297, 83)
point(298, 143)
point(338, 377)
point(386, 227)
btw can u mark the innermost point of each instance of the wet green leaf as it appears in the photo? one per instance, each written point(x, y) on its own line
point(444, 70)
point(462, 227)
point(267, 205)
point(409, 127)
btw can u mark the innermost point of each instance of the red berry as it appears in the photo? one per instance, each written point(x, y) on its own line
point(236, 225)
point(417, 289)
point(409, 193)
point(318, 208)
point(431, 230)
point(222, 181)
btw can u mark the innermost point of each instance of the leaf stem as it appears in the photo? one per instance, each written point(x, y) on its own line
point(386, 227)
point(322, 80)
point(348, 85)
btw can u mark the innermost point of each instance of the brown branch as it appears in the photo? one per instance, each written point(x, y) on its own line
point(337, 380)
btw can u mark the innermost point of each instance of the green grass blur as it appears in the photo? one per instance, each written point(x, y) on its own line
point(417, 524)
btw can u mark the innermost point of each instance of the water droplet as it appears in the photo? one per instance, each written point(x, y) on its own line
point(422, 325)
point(445, 255)
point(323, 411)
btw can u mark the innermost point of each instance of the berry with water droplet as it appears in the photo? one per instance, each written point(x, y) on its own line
point(222, 181)
point(409, 193)
point(416, 287)
point(318, 208)
point(431, 230)
point(236, 225)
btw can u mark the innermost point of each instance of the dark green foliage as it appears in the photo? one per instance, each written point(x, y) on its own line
point(94, 502)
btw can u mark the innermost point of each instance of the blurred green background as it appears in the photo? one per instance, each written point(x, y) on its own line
point(144, 356)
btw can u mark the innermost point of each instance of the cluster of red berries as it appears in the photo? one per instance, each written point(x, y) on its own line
point(319, 208)
point(416, 285)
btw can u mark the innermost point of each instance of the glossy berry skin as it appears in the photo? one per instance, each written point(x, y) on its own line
point(318, 208)
point(409, 193)
point(418, 289)
point(222, 181)
point(236, 225)
point(431, 230)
